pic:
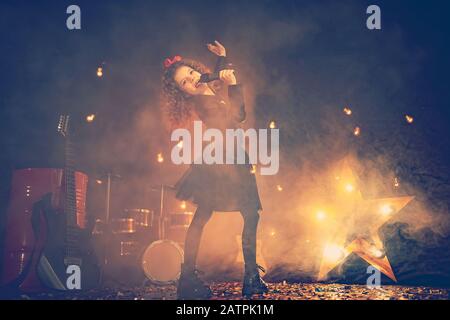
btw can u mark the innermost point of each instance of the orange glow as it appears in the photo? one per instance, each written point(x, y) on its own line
point(272, 125)
point(357, 131)
point(386, 209)
point(279, 188)
point(320, 215)
point(409, 119)
point(375, 252)
point(349, 187)
point(183, 205)
point(99, 72)
point(160, 158)
point(272, 233)
point(347, 111)
point(333, 253)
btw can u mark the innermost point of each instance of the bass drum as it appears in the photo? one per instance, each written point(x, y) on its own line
point(161, 261)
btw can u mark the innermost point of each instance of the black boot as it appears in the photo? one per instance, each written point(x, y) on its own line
point(253, 284)
point(190, 286)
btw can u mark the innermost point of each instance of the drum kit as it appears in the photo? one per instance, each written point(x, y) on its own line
point(141, 246)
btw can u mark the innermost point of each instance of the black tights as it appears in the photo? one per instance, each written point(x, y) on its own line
point(194, 234)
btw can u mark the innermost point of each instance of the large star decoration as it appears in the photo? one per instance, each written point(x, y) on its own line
point(357, 228)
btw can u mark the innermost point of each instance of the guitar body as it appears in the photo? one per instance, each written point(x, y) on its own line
point(29, 280)
point(50, 261)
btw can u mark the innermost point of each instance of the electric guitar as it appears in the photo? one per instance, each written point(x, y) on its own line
point(62, 258)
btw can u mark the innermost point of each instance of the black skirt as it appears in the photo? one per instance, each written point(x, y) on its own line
point(220, 187)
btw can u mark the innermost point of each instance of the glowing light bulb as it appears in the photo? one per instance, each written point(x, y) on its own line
point(99, 181)
point(279, 188)
point(347, 111)
point(409, 118)
point(396, 182)
point(272, 125)
point(90, 117)
point(272, 233)
point(99, 72)
point(357, 131)
point(160, 158)
point(183, 205)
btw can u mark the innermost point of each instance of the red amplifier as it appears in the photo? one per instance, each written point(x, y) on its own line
point(29, 186)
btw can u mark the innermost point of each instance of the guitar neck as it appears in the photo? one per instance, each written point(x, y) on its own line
point(71, 201)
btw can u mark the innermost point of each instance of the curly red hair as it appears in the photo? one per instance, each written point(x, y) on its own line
point(178, 105)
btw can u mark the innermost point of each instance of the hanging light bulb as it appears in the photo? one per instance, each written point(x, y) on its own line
point(99, 72)
point(347, 111)
point(90, 117)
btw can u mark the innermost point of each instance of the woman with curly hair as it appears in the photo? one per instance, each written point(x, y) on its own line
point(215, 187)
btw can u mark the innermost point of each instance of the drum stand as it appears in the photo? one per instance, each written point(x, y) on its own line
point(107, 231)
point(162, 219)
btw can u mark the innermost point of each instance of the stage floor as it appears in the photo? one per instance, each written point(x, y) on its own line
point(231, 291)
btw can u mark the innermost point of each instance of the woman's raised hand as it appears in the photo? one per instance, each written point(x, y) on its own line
point(217, 48)
point(228, 77)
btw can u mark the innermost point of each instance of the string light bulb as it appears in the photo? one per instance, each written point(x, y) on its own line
point(99, 72)
point(90, 118)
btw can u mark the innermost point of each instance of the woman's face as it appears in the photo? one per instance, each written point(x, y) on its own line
point(188, 81)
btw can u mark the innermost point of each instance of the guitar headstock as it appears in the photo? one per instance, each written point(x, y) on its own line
point(63, 125)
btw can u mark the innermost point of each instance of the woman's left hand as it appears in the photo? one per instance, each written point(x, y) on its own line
point(217, 48)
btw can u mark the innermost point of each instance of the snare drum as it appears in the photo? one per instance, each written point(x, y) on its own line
point(143, 217)
point(162, 261)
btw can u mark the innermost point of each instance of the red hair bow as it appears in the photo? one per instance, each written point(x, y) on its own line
point(168, 62)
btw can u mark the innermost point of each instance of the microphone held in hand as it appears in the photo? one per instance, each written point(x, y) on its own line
point(209, 77)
